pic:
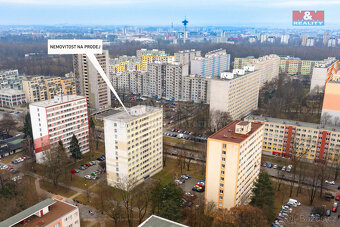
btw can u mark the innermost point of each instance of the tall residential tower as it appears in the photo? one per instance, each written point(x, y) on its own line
point(89, 82)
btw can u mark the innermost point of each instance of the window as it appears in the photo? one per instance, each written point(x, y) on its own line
point(221, 191)
point(224, 145)
point(223, 152)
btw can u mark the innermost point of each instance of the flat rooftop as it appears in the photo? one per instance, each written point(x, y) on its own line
point(134, 113)
point(57, 209)
point(293, 123)
point(228, 133)
point(57, 100)
point(8, 91)
point(155, 221)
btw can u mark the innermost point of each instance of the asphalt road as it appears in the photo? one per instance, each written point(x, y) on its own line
point(278, 173)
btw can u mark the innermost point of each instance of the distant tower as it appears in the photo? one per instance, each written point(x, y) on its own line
point(185, 22)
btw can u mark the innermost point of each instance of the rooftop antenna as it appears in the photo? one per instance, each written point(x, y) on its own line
point(185, 22)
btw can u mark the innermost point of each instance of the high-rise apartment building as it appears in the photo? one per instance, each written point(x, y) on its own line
point(284, 39)
point(293, 65)
point(268, 66)
point(40, 88)
point(331, 101)
point(236, 92)
point(133, 145)
point(320, 73)
point(150, 56)
point(233, 163)
point(89, 82)
point(195, 88)
point(10, 79)
point(59, 119)
point(212, 64)
point(47, 213)
point(166, 80)
point(312, 142)
point(185, 57)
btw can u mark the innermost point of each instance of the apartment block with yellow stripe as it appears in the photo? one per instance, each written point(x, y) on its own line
point(133, 145)
point(312, 142)
point(331, 100)
point(233, 163)
point(40, 88)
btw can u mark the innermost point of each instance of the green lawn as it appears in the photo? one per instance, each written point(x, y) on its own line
point(8, 159)
point(58, 190)
point(186, 143)
point(171, 171)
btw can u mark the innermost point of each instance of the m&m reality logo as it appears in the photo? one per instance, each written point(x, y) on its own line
point(308, 18)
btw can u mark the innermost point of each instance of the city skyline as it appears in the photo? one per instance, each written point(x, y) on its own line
point(151, 12)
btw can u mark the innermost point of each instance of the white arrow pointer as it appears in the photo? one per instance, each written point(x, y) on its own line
point(96, 64)
point(90, 47)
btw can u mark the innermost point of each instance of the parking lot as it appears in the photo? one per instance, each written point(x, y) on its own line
point(88, 171)
point(189, 184)
point(300, 217)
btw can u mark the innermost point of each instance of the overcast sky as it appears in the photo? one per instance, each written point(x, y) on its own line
point(161, 12)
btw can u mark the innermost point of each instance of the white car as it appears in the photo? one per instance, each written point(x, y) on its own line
point(178, 182)
point(87, 177)
point(4, 167)
point(329, 182)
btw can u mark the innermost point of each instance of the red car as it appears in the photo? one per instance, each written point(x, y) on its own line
point(87, 164)
point(334, 209)
point(74, 171)
point(337, 198)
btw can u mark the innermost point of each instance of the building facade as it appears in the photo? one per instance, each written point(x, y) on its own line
point(233, 163)
point(313, 142)
point(133, 145)
point(89, 82)
point(47, 213)
point(293, 65)
point(11, 97)
point(212, 64)
point(163, 80)
point(185, 57)
point(236, 93)
point(146, 57)
point(10, 79)
point(268, 66)
point(59, 119)
point(331, 101)
point(320, 73)
point(195, 88)
point(40, 88)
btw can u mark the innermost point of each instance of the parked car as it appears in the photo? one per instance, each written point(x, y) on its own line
point(93, 177)
point(329, 182)
point(264, 164)
point(74, 171)
point(184, 177)
point(328, 213)
point(87, 164)
point(337, 198)
point(270, 165)
point(177, 182)
point(283, 168)
point(87, 177)
point(275, 167)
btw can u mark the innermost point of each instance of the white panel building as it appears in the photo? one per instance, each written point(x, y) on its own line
point(58, 119)
point(133, 145)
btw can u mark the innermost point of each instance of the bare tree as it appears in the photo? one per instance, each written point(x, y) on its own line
point(128, 196)
point(55, 160)
point(218, 120)
point(7, 123)
point(326, 119)
point(142, 202)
